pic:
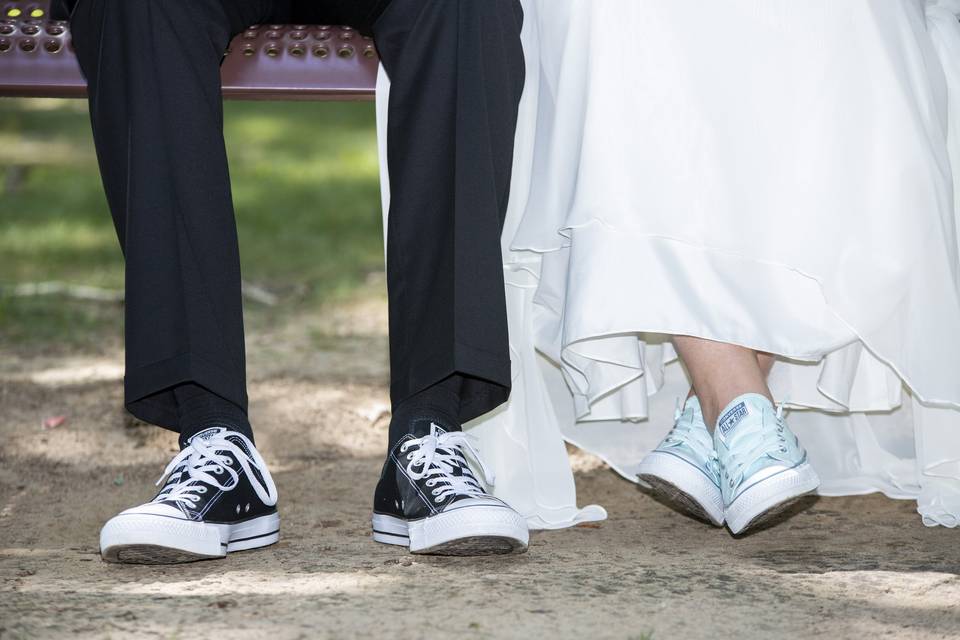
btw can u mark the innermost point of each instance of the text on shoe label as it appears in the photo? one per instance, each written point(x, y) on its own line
point(733, 417)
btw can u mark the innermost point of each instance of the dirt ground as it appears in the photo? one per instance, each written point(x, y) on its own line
point(844, 568)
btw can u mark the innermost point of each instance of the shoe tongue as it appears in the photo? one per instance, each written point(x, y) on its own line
point(216, 432)
point(421, 427)
point(693, 404)
point(208, 434)
point(229, 435)
point(744, 407)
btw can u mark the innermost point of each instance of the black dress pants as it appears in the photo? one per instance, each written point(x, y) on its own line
point(457, 72)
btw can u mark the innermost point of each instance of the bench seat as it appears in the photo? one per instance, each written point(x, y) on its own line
point(265, 62)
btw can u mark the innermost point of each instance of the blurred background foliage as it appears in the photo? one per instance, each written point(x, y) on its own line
point(306, 190)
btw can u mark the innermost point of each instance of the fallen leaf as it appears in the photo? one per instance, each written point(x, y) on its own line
point(53, 422)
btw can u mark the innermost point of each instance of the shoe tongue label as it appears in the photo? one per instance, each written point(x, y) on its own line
point(732, 417)
point(423, 427)
point(206, 434)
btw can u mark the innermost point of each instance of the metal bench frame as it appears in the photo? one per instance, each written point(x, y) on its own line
point(265, 62)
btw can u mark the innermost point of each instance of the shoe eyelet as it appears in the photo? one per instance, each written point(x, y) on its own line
point(409, 456)
point(438, 500)
point(783, 449)
point(201, 489)
point(404, 447)
point(228, 461)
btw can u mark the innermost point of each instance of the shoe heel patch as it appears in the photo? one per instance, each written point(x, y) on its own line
point(733, 417)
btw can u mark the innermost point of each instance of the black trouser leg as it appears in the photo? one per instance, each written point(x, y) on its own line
point(156, 109)
point(155, 104)
point(457, 72)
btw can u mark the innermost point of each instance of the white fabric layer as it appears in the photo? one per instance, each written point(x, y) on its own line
point(772, 174)
point(787, 160)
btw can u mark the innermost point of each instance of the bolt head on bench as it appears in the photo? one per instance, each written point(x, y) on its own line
point(265, 62)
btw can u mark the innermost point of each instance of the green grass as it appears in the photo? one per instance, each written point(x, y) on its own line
point(306, 190)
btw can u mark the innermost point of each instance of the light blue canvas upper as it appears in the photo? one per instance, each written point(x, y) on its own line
point(753, 442)
point(690, 440)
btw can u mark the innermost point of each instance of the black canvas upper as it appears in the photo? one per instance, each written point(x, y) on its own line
point(238, 501)
point(400, 495)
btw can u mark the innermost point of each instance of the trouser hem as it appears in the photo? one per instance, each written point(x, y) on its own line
point(489, 379)
point(148, 390)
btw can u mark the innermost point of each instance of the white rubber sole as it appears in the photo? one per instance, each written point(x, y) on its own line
point(469, 531)
point(151, 539)
point(769, 497)
point(683, 486)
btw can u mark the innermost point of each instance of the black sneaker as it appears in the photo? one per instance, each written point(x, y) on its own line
point(429, 500)
point(219, 497)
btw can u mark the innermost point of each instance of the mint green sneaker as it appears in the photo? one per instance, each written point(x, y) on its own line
point(763, 467)
point(684, 470)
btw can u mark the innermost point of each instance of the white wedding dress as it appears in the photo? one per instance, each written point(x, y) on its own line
point(770, 173)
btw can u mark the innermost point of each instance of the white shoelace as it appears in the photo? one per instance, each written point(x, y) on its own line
point(698, 440)
point(438, 456)
point(203, 458)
